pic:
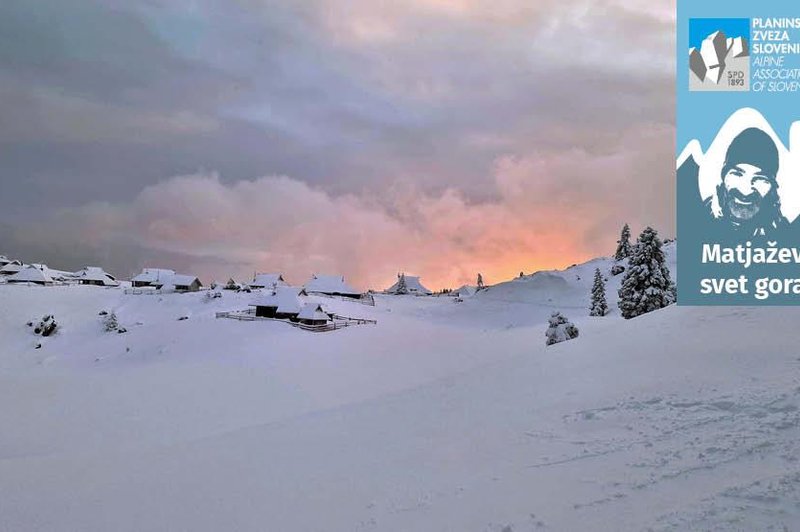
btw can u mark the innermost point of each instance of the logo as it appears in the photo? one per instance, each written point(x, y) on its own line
point(719, 54)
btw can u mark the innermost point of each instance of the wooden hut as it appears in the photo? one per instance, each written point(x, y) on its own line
point(331, 285)
point(35, 274)
point(268, 280)
point(283, 303)
point(95, 276)
point(313, 314)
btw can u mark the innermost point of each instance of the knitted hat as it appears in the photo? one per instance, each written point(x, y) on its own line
point(753, 146)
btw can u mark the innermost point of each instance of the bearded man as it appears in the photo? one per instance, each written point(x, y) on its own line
point(746, 204)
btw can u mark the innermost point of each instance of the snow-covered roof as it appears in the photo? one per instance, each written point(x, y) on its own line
point(285, 299)
point(181, 280)
point(312, 311)
point(466, 291)
point(32, 274)
point(56, 275)
point(268, 280)
point(330, 284)
point(11, 267)
point(413, 285)
point(151, 275)
point(171, 281)
point(97, 274)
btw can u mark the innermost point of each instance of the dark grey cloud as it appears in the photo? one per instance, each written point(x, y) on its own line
point(388, 100)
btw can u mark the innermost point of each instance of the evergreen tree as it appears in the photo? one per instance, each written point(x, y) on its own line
point(401, 284)
point(624, 244)
point(646, 285)
point(110, 322)
point(560, 329)
point(599, 305)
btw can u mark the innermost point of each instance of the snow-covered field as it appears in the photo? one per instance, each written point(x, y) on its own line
point(443, 416)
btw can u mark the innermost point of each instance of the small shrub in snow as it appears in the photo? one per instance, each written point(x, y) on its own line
point(560, 329)
point(617, 269)
point(212, 294)
point(45, 327)
point(182, 318)
point(103, 313)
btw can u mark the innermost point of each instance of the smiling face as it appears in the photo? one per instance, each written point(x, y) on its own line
point(745, 187)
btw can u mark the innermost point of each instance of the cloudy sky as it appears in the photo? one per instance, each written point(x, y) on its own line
point(362, 137)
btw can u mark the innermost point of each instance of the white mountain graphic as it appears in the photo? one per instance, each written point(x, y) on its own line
point(715, 54)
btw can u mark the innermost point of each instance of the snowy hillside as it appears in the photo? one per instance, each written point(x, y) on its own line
point(530, 299)
point(443, 416)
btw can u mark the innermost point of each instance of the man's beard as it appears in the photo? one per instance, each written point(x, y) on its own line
point(750, 209)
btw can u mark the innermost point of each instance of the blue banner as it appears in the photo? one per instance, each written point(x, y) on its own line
point(738, 152)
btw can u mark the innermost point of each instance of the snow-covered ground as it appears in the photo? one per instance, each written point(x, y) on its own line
point(443, 416)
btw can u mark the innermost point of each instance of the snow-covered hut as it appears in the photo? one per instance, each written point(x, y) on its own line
point(152, 277)
point(465, 291)
point(96, 276)
point(36, 274)
point(268, 280)
point(332, 285)
point(232, 285)
point(55, 275)
point(282, 302)
point(182, 283)
point(11, 268)
point(408, 284)
point(166, 279)
point(312, 314)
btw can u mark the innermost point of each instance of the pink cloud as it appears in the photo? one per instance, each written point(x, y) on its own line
point(550, 209)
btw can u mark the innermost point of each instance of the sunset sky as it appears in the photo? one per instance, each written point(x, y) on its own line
point(437, 137)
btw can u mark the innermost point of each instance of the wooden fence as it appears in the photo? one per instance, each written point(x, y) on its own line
point(337, 321)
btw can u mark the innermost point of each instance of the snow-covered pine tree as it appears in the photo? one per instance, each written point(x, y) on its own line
point(110, 322)
point(646, 285)
point(599, 304)
point(401, 284)
point(560, 329)
point(624, 249)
